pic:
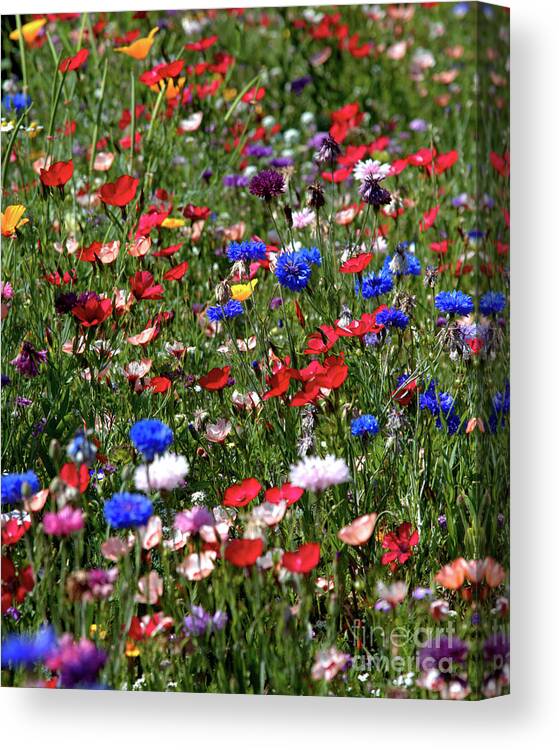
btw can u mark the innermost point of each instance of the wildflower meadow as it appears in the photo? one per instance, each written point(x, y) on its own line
point(255, 325)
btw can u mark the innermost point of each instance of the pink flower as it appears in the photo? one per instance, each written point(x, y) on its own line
point(150, 588)
point(358, 531)
point(65, 522)
point(197, 566)
point(329, 663)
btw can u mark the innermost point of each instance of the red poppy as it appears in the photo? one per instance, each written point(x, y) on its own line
point(58, 174)
point(243, 552)
point(302, 560)
point(166, 252)
point(357, 264)
point(15, 584)
point(239, 495)
point(74, 476)
point(75, 62)
point(286, 491)
point(120, 192)
point(196, 213)
point(338, 176)
point(142, 286)
point(279, 382)
point(404, 394)
point(216, 379)
point(176, 273)
point(500, 164)
point(13, 530)
point(159, 384)
point(443, 162)
point(398, 166)
point(202, 44)
point(322, 340)
point(428, 218)
point(399, 543)
point(439, 247)
point(422, 158)
point(254, 95)
point(93, 312)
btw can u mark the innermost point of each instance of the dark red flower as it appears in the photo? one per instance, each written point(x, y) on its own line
point(239, 495)
point(243, 552)
point(120, 192)
point(142, 286)
point(13, 530)
point(404, 393)
point(15, 584)
point(196, 213)
point(302, 560)
point(58, 174)
point(93, 312)
point(399, 543)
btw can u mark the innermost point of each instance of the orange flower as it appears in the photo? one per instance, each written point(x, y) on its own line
point(139, 49)
point(30, 31)
point(452, 576)
point(11, 220)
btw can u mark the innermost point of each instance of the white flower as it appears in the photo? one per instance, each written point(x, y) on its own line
point(165, 472)
point(370, 168)
point(315, 474)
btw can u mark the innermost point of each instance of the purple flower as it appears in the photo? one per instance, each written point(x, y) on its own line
point(78, 663)
point(192, 520)
point(442, 653)
point(29, 360)
point(267, 184)
point(199, 622)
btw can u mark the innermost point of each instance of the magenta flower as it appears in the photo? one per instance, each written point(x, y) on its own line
point(65, 522)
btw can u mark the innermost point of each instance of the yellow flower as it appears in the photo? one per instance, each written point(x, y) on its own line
point(229, 94)
point(241, 292)
point(93, 629)
point(172, 90)
point(132, 649)
point(11, 220)
point(139, 49)
point(29, 31)
point(170, 223)
point(33, 129)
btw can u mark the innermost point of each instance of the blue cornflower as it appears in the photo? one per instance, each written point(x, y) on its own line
point(364, 425)
point(13, 486)
point(501, 408)
point(454, 302)
point(199, 622)
point(246, 251)
point(127, 510)
point(441, 405)
point(376, 284)
point(492, 303)
point(150, 436)
point(311, 255)
point(80, 450)
point(293, 270)
point(390, 317)
point(17, 102)
point(230, 309)
point(27, 649)
point(402, 264)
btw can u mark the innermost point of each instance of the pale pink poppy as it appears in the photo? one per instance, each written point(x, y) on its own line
point(474, 570)
point(36, 502)
point(397, 51)
point(108, 253)
point(446, 76)
point(325, 584)
point(177, 541)
point(347, 215)
point(247, 401)
point(115, 548)
point(71, 245)
point(74, 347)
point(197, 229)
point(136, 370)
point(88, 200)
point(269, 514)
point(123, 301)
point(235, 232)
point(144, 338)
point(103, 161)
point(151, 534)
point(43, 162)
point(215, 534)
point(494, 572)
point(358, 531)
point(473, 423)
point(140, 247)
point(191, 123)
point(217, 433)
point(150, 588)
point(197, 566)
point(393, 594)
